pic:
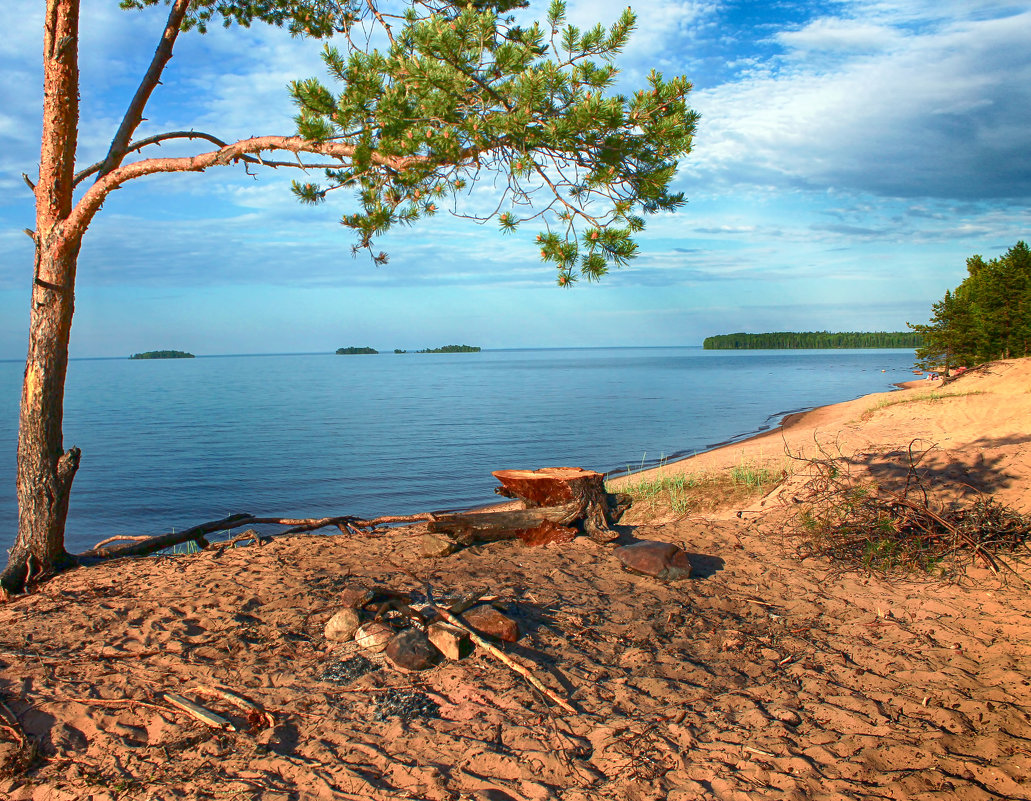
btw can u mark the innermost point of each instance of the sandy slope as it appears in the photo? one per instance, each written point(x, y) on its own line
point(970, 435)
point(761, 677)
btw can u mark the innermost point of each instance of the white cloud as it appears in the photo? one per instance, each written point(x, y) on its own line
point(839, 35)
point(945, 114)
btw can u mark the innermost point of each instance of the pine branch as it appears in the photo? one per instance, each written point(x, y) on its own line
point(134, 114)
point(164, 137)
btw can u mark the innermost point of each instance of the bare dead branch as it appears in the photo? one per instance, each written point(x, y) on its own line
point(143, 545)
point(153, 544)
point(134, 114)
point(863, 524)
point(374, 10)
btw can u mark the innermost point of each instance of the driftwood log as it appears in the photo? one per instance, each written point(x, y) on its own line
point(143, 546)
point(558, 502)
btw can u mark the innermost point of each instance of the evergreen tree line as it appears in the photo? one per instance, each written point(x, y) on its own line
point(803, 340)
point(986, 317)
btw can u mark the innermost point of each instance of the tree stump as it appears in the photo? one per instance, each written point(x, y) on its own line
point(558, 502)
point(552, 486)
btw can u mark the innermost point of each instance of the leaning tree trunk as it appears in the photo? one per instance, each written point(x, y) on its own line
point(45, 470)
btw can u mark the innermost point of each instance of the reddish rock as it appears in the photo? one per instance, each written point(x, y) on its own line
point(412, 650)
point(662, 560)
point(355, 597)
point(488, 620)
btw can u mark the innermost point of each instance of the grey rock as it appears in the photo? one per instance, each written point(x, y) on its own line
point(373, 636)
point(434, 545)
point(411, 649)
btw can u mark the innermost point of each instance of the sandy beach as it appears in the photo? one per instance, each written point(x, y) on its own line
point(763, 676)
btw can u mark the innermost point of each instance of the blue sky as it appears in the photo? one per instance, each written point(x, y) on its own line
point(850, 156)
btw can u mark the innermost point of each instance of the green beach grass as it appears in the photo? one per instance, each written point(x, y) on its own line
point(684, 493)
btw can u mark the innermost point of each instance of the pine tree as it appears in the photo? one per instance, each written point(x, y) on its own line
point(461, 92)
point(946, 339)
point(988, 316)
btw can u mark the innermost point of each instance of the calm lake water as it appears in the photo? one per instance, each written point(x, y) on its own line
point(171, 443)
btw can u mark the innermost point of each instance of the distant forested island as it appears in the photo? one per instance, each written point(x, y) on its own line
point(163, 354)
point(779, 340)
point(353, 351)
point(452, 349)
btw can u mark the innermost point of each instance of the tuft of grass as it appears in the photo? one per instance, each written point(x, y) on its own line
point(182, 549)
point(684, 493)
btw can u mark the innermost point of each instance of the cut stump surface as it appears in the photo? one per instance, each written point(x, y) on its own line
point(549, 486)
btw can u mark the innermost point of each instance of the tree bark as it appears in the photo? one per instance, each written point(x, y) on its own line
point(534, 526)
point(45, 469)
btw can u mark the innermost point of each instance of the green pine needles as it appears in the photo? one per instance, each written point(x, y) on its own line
point(464, 92)
point(315, 18)
point(988, 316)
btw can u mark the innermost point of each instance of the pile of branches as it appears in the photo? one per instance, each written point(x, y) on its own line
point(862, 524)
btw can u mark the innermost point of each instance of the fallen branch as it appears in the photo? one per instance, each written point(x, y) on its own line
point(255, 713)
point(466, 529)
point(558, 498)
point(13, 725)
point(120, 538)
point(114, 702)
point(205, 716)
point(162, 541)
point(497, 653)
point(144, 546)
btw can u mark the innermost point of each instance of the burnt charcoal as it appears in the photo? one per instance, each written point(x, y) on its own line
point(344, 671)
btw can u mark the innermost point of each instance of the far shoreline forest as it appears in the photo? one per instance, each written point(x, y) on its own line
point(803, 340)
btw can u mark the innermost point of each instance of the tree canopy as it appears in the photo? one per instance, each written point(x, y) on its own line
point(466, 92)
point(988, 316)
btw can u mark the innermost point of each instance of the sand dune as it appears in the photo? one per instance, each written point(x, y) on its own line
point(760, 677)
point(976, 430)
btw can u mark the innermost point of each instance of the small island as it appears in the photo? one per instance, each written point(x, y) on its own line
point(452, 349)
point(352, 351)
point(163, 354)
